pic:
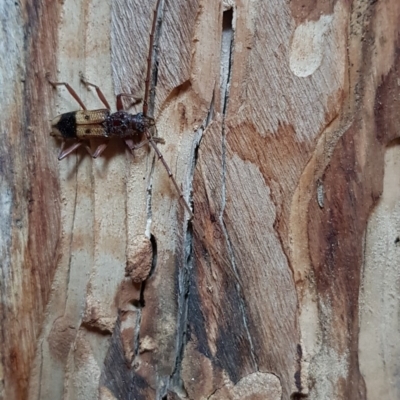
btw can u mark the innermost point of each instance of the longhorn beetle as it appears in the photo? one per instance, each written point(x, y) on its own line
point(84, 124)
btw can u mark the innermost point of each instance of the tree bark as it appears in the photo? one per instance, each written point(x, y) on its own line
point(280, 122)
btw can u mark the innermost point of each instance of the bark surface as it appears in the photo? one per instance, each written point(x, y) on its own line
point(281, 122)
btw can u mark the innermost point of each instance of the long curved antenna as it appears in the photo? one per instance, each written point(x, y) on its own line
point(152, 142)
point(149, 137)
point(149, 62)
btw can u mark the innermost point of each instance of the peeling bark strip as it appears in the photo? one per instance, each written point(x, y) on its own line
point(278, 118)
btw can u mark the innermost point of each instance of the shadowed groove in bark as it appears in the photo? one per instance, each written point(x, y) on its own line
point(175, 383)
point(154, 57)
point(227, 46)
point(148, 200)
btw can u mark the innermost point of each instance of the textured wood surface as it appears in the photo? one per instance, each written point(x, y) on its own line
point(281, 125)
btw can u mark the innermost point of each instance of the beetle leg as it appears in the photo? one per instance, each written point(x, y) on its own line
point(129, 143)
point(99, 150)
point(132, 146)
point(70, 90)
point(158, 140)
point(99, 93)
point(64, 153)
point(120, 105)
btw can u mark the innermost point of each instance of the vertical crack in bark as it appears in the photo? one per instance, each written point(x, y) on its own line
point(154, 58)
point(154, 250)
point(225, 72)
point(141, 304)
point(149, 210)
point(39, 396)
point(227, 45)
point(227, 41)
point(137, 335)
point(175, 383)
point(199, 136)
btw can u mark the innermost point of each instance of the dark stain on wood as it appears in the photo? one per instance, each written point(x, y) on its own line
point(233, 353)
point(310, 10)
point(196, 319)
point(336, 232)
point(335, 240)
point(117, 375)
point(387, 103)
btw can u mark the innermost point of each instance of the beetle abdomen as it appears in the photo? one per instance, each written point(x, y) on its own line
point(80, 124)
point(64, 126)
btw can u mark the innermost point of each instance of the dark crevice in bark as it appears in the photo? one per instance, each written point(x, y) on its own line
point(154, 57)
point(227, 47)
point(176, 384)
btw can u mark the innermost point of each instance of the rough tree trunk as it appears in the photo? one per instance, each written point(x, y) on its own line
point(280, 120)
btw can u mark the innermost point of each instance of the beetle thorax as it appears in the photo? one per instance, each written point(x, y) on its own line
point(123, 124)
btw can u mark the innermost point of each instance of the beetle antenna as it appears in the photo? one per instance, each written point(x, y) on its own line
point(149, 62)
